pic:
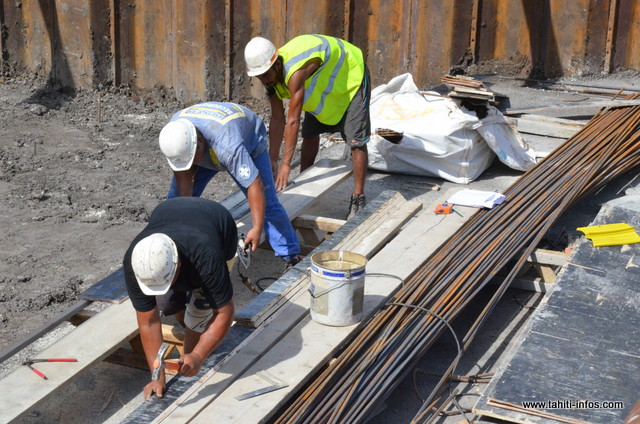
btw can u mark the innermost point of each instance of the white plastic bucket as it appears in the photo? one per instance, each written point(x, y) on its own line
point(337, 287)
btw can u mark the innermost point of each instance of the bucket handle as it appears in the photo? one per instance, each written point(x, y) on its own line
point(322, 293)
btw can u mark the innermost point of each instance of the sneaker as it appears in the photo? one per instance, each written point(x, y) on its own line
point(290, 262)
point(358, 201)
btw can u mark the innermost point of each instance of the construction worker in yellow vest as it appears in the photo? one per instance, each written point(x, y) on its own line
point(328, 79)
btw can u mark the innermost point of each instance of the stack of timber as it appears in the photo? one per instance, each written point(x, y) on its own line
point(463, 87)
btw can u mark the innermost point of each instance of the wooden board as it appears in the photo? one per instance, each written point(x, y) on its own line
point(546, 125)
point(583, 343)
point(310, 345)
point(23, 388)
point(112, 289)
point(580, 109)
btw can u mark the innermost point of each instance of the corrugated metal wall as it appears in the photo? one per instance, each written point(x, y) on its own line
point(195, 47)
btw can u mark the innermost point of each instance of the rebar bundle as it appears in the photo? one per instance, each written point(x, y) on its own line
point(375, 362)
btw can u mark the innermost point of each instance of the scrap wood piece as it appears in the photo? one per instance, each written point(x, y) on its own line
point(462, 80)
point(277, 325)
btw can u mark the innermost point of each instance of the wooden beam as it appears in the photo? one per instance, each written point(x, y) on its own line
point(582, 109)
point(320, 223)
point(548, 257)
point(546, 125)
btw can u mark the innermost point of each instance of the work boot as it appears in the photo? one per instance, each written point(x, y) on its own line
point(358, 201)
point(290, 262)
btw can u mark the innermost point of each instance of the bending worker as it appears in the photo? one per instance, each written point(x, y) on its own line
point(328, 79)
point(206, 138)
point(177, 266)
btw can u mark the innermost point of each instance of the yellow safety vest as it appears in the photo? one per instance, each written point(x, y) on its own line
point(328, 92)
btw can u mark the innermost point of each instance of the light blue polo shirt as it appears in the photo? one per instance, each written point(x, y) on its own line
point(234, 135)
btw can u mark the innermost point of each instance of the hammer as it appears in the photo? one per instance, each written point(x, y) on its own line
point(160, 363)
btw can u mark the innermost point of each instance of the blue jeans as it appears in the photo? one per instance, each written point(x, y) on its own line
point(278, 229)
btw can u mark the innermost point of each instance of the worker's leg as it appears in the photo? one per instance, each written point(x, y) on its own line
point(356, 131)
point(197, 316)
point(360, 158)
point(311, 130)
point(309, 151)
point(277, 226)
point(201, 178)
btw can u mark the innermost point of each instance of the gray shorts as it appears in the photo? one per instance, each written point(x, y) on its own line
point(355, 125)
point(197, 313)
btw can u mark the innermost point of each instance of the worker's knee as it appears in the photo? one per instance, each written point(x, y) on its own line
point(198, 312)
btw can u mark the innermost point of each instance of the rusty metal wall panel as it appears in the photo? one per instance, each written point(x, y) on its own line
point(315, 17)
point(626, 44)
point(37, 46)
point(381, 29)
point(441, 37)
point(73, 54)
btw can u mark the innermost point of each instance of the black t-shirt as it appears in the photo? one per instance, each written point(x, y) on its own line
point(206, 237)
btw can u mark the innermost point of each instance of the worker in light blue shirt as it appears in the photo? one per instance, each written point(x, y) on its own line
point(210, 137)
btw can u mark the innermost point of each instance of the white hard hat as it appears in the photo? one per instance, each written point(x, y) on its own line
point(154, 261)
point(178, 142)
point(259, 55)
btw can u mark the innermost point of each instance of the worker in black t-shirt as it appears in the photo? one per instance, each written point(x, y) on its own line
point(178, 265)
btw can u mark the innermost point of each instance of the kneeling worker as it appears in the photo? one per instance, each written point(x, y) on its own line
point(177, 266)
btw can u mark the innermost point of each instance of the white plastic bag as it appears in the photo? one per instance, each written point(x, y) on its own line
point(440, 139)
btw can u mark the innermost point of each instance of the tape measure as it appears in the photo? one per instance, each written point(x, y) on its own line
point(444, 209)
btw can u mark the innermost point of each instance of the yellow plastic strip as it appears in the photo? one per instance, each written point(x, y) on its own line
point(611, 234)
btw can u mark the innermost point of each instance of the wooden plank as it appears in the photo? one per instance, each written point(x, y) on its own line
point(309, 345)
point(277, 325)
point(320, 223)
point(548, 257)
point(582, 109)
point(56, 321)
point(111, 289)
point(546, 125)
point(84, 343)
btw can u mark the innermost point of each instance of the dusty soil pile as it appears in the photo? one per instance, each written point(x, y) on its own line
point(79, 175)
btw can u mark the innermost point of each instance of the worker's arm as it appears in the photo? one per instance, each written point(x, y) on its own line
point(292, 125)
point(151, 336)
point(184, 180)
point(257, 204)
point(213, 335)
point(276, 131)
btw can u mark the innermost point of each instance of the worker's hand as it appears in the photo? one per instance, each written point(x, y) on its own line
point(156, 386)
point(253, 239)
point(283, 177)
point(191, 363)
point(274, 166)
